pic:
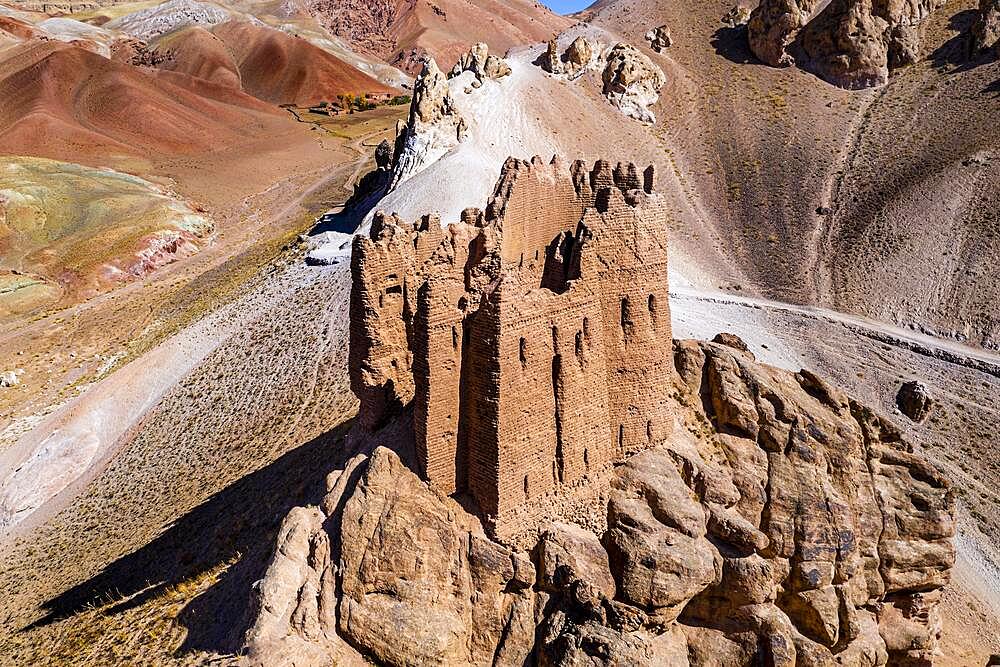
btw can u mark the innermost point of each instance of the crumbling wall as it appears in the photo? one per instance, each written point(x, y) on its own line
point(532, 338)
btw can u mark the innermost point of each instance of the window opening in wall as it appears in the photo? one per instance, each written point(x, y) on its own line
point(394, 289)
point(586, 459)
point(579, 346)
point(586, 329)
point(649, 431)
point(555, 339)
point(624, 313)
point(525, 486)
point(523, 352)
point(652, 308)
point(621, 436)
point(454, 338)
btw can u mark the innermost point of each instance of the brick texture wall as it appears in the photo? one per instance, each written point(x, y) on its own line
point(532, 338)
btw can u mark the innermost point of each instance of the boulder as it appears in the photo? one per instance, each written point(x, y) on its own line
point(577, 58)
point(914, 400)
point(731, 340)
point(383, 155)
point(483, 65)
point(572, 561)
point(736, 17)
point(773, 25)
point(632, 82)
point(659, 38)
point(9, 379)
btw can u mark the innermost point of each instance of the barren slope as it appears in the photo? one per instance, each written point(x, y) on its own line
point(401, 31)
point(905, 171)
point(282, 69)
point(67, 103)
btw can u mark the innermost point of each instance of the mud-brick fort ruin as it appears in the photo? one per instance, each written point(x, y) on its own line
point(531, 340)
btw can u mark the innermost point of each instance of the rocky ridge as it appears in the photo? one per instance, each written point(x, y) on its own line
point(782, 521)
point(433, 127)
point(631, 82)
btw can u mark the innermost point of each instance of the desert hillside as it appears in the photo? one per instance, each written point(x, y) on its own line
point(868, 201)
point(403, 32)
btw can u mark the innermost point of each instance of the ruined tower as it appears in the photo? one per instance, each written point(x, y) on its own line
point(531, 340)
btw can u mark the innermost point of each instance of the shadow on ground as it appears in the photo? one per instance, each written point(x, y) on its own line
point(369, 191)
point(732, 44)
point(238, 524)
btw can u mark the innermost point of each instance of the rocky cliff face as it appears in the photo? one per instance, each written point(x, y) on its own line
point(850, 43)
point(782, 523)
point(434, 124)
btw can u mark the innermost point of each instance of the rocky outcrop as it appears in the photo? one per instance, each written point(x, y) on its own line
point(383, 155)
point(986, 30)
point(850, 43)
point(481, 63)
point(781, 523)
point(773, 25)
point(659, 38)
point(433, 127)
point(914, 400)
point(578, 57)
point(632, 82)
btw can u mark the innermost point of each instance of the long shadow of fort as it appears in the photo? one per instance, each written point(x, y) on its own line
point(239, 522)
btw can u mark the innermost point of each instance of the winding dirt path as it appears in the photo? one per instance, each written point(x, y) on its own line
point(944, 350)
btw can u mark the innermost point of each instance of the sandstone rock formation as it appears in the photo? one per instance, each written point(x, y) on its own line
point(480, 62)
point(433, 127)
point(632, 82)
point(559, 290)
point(986, 29)
point(578, 57)
point(773, 25)
point(659, 38)
point(850, 43)
point(914, 400)
point(780, 523)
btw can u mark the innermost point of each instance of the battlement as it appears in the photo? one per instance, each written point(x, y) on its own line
point(531, 339)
